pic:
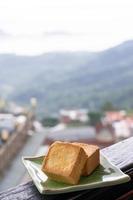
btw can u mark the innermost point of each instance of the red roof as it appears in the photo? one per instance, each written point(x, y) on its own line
point(114, 116)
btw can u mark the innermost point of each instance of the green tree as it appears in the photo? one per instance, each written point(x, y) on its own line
point(108, 106)
point(94, 118)
point(50, 121)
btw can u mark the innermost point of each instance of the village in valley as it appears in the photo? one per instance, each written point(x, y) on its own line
point(102, 129)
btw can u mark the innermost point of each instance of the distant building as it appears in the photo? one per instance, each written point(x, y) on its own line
point(112, 116)
point(121, 129)
point(16, 109)
point(66, 116)
point(120, 122)
point(10, 123)
point(7, 121)
point(80, 134)
point(7, 126)
point(105, 133)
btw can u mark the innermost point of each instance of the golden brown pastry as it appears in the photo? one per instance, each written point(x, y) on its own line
point(93, 157)
point(64, 162)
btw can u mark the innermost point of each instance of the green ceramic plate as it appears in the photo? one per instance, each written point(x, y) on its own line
point(105, 175)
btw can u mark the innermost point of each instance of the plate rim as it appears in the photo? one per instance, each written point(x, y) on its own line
point(122, 179)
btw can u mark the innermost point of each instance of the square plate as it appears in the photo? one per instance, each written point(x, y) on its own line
point(105, 175)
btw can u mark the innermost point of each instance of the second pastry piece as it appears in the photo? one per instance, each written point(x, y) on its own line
point(93, 157)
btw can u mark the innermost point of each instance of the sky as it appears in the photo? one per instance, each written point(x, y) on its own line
point(33, 27)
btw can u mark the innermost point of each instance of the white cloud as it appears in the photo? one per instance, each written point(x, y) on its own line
point(75, 24)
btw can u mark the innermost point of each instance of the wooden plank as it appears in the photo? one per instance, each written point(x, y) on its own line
point(121, 154)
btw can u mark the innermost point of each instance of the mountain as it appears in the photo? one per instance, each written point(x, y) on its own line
point(70, 79)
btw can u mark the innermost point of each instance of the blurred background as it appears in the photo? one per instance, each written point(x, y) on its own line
point(66, 73)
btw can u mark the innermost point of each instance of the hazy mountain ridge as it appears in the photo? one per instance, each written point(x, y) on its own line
point(71, 79)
